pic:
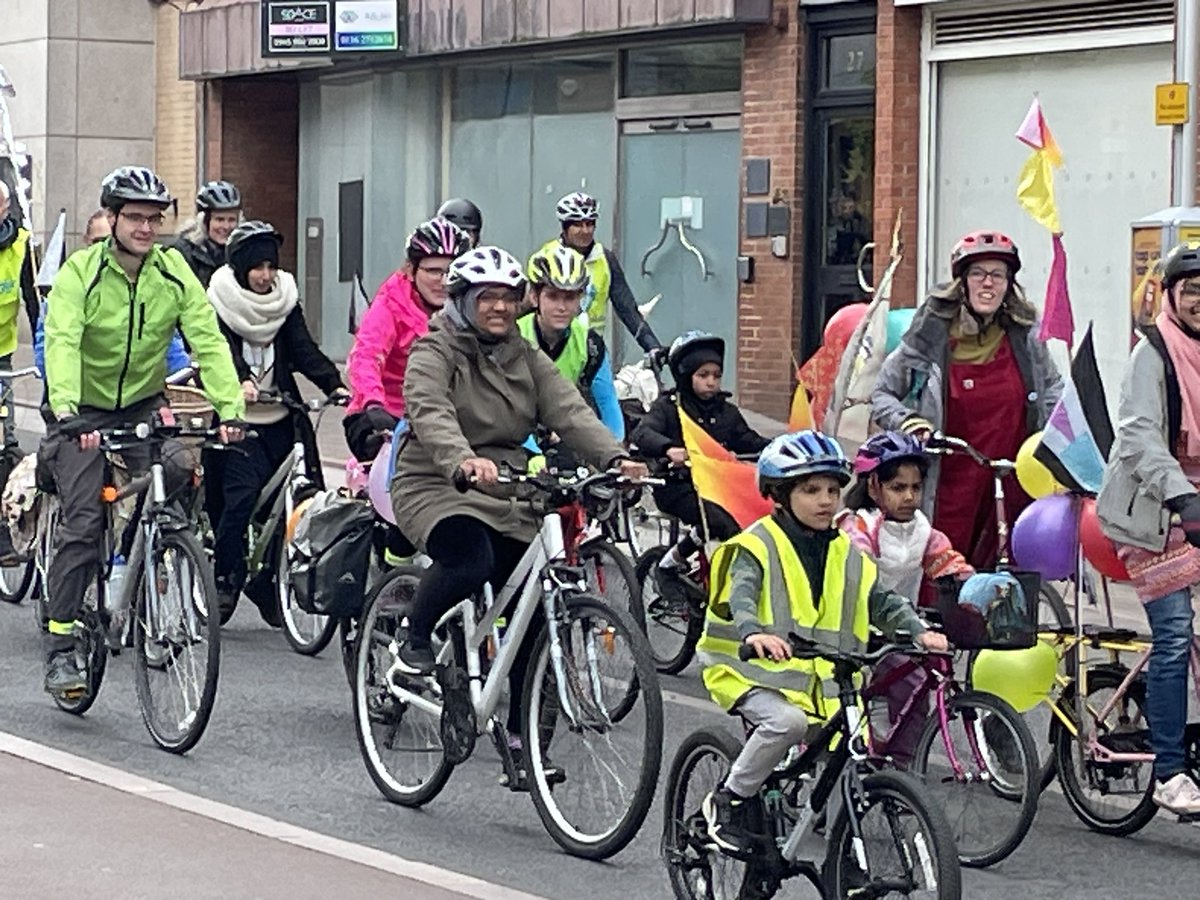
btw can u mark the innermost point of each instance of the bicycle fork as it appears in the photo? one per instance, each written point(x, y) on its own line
point(555, 582)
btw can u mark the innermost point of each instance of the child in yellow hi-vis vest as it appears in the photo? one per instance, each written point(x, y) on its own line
point(789, 571)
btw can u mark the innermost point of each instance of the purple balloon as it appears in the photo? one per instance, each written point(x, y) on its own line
point(378, 484)
point(1045, 538)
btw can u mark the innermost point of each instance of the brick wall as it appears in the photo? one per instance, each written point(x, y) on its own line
point(175, 119)
point(897, 139)
point(254, 141)
point(773, 113)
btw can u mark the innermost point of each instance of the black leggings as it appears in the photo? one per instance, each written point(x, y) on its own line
point(466, 553)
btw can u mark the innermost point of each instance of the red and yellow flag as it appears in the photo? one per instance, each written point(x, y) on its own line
point(800, 417)
point(720, 477)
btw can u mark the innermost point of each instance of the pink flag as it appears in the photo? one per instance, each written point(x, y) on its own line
point(1057, 320)
point(1035, 133)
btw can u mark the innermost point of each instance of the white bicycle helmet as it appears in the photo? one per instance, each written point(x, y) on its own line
point(484, 265)
point(792, 456)
point(577, 207)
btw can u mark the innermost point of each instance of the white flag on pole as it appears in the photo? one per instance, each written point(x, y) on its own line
point(55, 251)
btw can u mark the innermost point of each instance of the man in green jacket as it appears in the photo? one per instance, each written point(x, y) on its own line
point(112, 312)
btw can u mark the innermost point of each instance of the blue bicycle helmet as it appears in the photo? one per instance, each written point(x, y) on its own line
point(888, 447)
point(792, 456)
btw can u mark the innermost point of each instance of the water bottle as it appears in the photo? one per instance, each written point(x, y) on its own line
point(114, 598)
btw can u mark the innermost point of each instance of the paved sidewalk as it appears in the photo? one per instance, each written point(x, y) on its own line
point(63, 836)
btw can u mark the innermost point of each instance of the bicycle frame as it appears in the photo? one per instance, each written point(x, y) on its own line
point(541, 580)
point(279, 487)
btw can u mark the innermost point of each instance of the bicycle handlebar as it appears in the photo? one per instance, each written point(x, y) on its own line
point(306, 406)
point(14, 374)
point(115, 439)
point(805, 648)
point(945, 445)
point(545, 482)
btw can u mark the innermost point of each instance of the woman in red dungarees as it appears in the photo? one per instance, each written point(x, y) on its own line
point(971, 366)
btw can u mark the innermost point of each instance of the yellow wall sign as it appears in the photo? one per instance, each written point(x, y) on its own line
point(1171, 103)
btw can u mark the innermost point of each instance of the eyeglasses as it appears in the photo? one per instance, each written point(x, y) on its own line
point(492, 299)
point(137, 220)
point(982, 275)
point(1190, 289)
point(435, 271)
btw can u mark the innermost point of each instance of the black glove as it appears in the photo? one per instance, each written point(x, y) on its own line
point(74, 426)
point(1187, 507)
point(658, 358)
point(379, 418)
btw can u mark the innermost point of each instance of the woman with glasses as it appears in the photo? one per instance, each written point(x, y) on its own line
point(476, 389)
point(971, 365)
point(399, 315)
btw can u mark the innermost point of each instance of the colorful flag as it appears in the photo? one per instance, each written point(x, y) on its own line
point(56, 253)
point(1079, 434)
point(800, 416)
point(1057, 318)
point(720, 477)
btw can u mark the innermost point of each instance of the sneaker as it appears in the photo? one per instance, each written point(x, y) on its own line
point(676, 588)
point(63, 675)
point(554, 774)
point(416, 658)
point(1178, 794)
point(725, 813)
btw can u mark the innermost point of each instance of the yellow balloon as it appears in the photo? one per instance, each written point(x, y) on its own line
point(1022, 677)
point(1034, 477)
point(296, 516)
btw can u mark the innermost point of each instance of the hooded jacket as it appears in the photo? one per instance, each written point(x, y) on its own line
point(379, 357)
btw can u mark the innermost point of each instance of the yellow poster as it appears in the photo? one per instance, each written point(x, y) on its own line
point(1147, 250)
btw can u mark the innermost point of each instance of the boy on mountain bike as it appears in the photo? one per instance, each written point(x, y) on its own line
point(789, 571)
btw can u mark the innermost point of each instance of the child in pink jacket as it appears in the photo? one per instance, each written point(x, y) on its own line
point(398, 315)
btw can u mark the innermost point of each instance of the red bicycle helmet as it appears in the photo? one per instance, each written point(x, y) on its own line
point(983, 245)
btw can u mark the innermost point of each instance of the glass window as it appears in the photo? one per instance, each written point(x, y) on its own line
point(573, 85)
point(489, 92)
point(849, 187)
point(850, 63)
point(682, 69)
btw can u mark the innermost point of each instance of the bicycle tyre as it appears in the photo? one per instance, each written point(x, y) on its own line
point(95, 651)
point(394, 591)
point(1100, 679)
point(583, 608)
point(208, 628)
point(609, 556)
point(690, 873)
point(1024, 788)
point(669, 658)
point(307, 641)
point(15, 581)
point(1041, 721)
point(903, 788)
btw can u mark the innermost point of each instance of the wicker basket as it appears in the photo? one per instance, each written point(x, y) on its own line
point(188, 401)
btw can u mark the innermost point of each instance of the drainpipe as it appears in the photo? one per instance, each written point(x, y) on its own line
point(1187, 57)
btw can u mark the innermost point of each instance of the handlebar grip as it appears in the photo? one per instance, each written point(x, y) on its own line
point(462, 482)
point(746, 652)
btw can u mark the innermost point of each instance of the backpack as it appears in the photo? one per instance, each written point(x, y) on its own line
point(332, 555)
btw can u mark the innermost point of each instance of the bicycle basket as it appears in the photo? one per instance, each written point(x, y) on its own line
point(332, 555)
point(188, 401)
point(990, 610)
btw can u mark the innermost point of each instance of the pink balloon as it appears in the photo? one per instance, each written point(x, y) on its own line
point(1046, 537)
point(378, 482)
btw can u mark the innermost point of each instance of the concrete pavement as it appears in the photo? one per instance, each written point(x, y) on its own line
point(71, 827)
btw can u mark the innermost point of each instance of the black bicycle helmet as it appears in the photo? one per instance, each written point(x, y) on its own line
point(215, 195)
point(133, 184)
point(1182, 261)
point(252, 229)
point(688, 343)
point(463, 213)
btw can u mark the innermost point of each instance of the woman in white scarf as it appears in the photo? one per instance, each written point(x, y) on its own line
point(259, 311)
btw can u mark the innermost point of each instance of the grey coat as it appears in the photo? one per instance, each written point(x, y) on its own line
point(466, 399)
point(1142, 472)
point(912, 381)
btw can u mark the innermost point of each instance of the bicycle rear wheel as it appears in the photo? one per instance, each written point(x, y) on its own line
point(1108, 797)
point(306, 633)
point(907, 845)
point(15, 581)
point(982, 771)
point(672, 625)
point(400, 740)
point(697, 871)
point(603, 654)
point(610, 575)
point(176, 642)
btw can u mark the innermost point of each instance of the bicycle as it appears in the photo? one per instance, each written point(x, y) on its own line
point(168, 587)
point(588, 668)
point(16, 581)
point(267, 549)
point(834, 780)
point(1052, 613)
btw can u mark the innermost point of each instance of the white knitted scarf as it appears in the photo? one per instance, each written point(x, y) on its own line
point(255, 317)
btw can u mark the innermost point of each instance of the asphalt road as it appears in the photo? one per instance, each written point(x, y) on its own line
point(281, 744)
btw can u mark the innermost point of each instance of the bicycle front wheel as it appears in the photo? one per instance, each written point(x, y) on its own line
point(176, 642)
point(400, 740)
point(15, 581)
point(982, 770)
point(598, 714)
point(906, 849)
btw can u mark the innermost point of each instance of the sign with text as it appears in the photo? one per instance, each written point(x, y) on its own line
point(1171, 103)
point(296, 28)
point(330, 27)
point(367, 25)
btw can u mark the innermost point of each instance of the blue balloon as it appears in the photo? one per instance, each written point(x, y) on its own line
point(897, 323)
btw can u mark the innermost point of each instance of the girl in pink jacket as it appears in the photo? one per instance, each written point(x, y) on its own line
point(399, 315)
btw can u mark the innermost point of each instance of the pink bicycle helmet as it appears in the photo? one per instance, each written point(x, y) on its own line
point(983, 245)
point(887, 447)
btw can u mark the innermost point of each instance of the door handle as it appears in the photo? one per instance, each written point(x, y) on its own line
point(697, 124)
point(664, 125)
point(693, 249)
point(662, 239)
